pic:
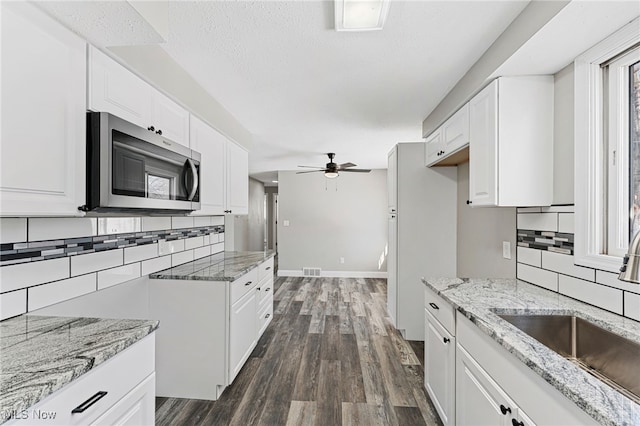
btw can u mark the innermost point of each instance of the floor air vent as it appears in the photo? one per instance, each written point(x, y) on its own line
point(310, 272)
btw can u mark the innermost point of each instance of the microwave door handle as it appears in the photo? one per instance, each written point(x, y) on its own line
point(194, 183)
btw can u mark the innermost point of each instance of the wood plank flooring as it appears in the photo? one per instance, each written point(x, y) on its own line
point(329, 357)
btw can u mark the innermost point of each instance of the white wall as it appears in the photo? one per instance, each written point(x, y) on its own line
point(332, 218)
point(480, 234)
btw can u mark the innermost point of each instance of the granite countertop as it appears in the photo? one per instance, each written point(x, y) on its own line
point(41, 354)
point(223, 266)
point(481, 300)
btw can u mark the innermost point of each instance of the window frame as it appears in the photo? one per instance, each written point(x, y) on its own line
point(593, 177)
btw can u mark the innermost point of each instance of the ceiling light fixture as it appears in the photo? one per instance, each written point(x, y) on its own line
point(360, 15)
point(330, 175)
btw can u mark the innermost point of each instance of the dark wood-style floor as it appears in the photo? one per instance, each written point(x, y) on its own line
point(329, 357)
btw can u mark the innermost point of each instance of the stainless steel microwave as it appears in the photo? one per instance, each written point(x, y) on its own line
point(135, 170)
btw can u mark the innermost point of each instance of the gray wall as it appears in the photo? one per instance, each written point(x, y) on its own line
point(563, 160)
point(481, 232)
point(332, 218)
point(249, 230)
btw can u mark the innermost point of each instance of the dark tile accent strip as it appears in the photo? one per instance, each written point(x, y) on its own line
point(557, 242)
point(12, 253)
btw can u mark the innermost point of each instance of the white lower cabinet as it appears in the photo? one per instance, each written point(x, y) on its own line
point(208, 331)
point(136, 408)
point(242, 332)
point(472, 380)
point(479, 399)
point(119, 391)
point(440, 368)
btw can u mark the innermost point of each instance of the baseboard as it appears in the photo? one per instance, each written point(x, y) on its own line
point(334, 274)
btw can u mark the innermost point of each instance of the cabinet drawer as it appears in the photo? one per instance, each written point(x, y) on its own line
point(117, 377)
point(242, 285)
point(265, 315)
point(266, 289)
point(441, 310)
point(265, 269)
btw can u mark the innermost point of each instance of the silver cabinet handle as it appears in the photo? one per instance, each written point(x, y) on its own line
point(248, 283)
point(267, 316)
point(194, 179)
point(268, 288)
point(433, 305)
point(267, 268)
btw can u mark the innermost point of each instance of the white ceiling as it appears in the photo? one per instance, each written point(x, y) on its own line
point(303, 89)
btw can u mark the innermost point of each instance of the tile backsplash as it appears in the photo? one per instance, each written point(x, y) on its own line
point(545, 258)
point(48, 260)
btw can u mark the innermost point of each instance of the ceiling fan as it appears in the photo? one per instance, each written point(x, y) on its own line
point(331, 169)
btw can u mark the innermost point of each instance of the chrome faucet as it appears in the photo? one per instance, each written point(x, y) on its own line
point(630, 270)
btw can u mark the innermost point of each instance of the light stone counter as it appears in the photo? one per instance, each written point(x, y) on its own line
point(481, 300)
point(41, 354)
point(224, 266)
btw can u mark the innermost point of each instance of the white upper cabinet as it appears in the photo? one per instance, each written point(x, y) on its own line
point(43, 115)
point(212, 146)
point(114, 89)
point(455, 131)
point(224, 171)
point(237, 179)
point(511, 143)
point(433, 147)
point(449, 139)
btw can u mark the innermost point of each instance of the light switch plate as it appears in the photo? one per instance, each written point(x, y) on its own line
point(285, 223)
point(506, 249)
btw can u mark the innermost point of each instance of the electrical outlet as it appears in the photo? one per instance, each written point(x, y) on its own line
point(342, 260)
point(506, 249)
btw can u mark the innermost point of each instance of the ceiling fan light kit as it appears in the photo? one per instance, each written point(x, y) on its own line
point(331, 169)
point(360, 15)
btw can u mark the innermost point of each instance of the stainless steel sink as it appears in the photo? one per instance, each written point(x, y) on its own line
point(609, 357)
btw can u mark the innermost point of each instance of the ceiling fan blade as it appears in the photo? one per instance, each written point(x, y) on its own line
point(311, 167)
point(345, 165)
point(310, 171)
point(357, 170)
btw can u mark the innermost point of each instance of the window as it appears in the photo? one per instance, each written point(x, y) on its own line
point(607, 149)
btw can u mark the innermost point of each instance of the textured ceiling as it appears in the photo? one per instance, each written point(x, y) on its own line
point(304, 89)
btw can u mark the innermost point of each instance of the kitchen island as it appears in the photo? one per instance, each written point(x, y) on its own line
point(42, 356)
point(213, 311)
point(480, 301)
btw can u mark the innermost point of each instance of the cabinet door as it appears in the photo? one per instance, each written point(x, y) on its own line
point(483, 147)
point(523, 420)
point(211, 145)
point(43, 115)
point(137, 408)
point(170, 118)
point(237, 179)
point(439, 368)
point(392, 265)
point(455, 131)
point(116, 90)
point(242, 332)
point(392, 180)
point(479, 400)
point(434, 147)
